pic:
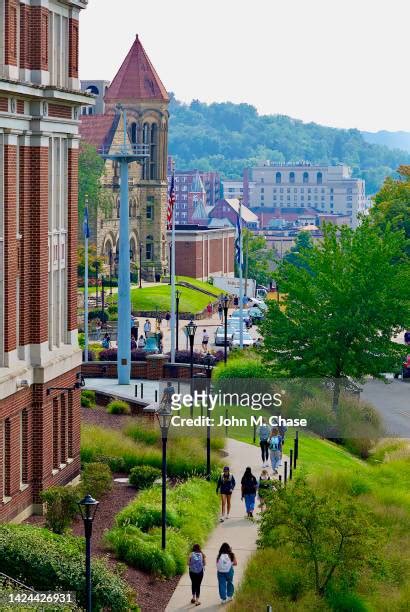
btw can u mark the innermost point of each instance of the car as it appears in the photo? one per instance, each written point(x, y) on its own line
point(256, 302)
point(235, 324)
point(237, 313)
point(246, 337)
point(256, 313)
point(220, 335)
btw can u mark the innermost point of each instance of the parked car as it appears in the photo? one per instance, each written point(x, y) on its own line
point(237, 313)
point(246, 337)
point(220, 335)
point(236, 324)
point(255, 313)
point(255, 302)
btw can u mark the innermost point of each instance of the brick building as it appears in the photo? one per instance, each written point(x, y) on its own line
point(138, 88)
point(202, 252)
point(228, 209)
point(39, 111)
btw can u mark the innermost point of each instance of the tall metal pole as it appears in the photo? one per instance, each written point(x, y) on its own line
point(140, 278)
point(88, 531)
point(124, 301)
point(164, 492)
point(177, 321)
point(173, 288)
point(225, 333)
point(86, 287)
point(208, 427)
point(240, 277)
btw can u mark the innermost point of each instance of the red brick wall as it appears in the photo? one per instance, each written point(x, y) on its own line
point(73, 48)
point(10, 253)
point(188, 259)
point(60, 111)
point(39, 38)
point(72, 239)
point(10, 33)
point(25, 51)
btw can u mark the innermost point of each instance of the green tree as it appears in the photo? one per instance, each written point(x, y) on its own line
point(392, 203)
point(333, 538)
point(341, 309)
point(91, 168)
point(303, 241)
point(258, 258)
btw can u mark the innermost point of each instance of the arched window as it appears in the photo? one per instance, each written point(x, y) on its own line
point(153, 161)
point(93, 89)
point(319, 178)
point(134, 133)
point(149, 248)
point(278, 178)
point(305, 177)
point(291, 177)
point(118, 208)
point(146, 141)
point(130, 208)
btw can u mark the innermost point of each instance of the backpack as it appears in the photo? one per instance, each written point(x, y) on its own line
point(274, 443)
point(224, 563)
point(196, 562)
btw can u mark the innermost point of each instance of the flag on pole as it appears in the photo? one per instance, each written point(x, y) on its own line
point(171, 201)
point(238, 254)
point(86, 227)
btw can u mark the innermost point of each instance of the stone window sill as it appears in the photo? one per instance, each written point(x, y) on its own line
point(23, 486)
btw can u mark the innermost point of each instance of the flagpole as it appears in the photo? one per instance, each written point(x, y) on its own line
point(86, 280)
point(240, 277)
point(173, 302)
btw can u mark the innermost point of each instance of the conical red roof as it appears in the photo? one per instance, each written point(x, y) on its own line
point(136, 79)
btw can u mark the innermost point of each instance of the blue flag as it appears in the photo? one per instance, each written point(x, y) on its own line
point(86, 227)
point(238, 240)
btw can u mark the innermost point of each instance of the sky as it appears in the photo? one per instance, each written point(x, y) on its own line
point(338, 63)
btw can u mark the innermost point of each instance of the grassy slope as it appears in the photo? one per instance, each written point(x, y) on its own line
point(201, 285)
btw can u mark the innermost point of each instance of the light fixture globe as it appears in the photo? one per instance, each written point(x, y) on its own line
point(88, 507)
point(191, 329)
point(164, 416)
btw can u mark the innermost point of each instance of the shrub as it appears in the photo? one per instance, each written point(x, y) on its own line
point(88, 398)
point(91, 356)
point(198, 358)
point(113, 309)
point(61, 507)
point(81, 340)
point(144, 476)
point(50, 562)
point(96, 479)
point(138, 355)
point(98, 314)
point(345, 601)
point(108, 354)
point(118, 407)
point(146, 433)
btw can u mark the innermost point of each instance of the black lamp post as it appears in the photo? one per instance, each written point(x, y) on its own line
point(110, 258)
point(277, 293)
point(164, 415)
point(225, 307)
point(96, 266)
point(88, 507)
point(102, 296)
point(208, 361)
point(191, 330)
point(140, 274)
point(177, 297)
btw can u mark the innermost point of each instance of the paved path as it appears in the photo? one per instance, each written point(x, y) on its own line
point(392, 401)
point(238, 531)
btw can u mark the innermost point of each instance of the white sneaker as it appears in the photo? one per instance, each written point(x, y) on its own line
point(226, 517)
point(221, 520)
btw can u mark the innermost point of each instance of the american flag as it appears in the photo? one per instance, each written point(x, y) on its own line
point(238, 254)
point(171, 201)
point(86, 227)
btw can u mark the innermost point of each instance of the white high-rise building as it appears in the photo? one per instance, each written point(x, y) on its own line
point(329, 189)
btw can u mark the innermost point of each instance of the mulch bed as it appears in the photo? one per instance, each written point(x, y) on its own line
point(100, 416)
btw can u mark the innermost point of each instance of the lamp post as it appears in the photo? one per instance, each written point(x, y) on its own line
point(110, 258)
point(225, 307)
point(140, 274)
point(96, 266)
point(102, 296)
point(177, 297)
point(190, 331)
point(164, 415)
point(88, 507)
point(208, 360)
point(277, 293)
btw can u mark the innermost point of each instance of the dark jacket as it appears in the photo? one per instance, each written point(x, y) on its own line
point(225, 485)
point(249, 485)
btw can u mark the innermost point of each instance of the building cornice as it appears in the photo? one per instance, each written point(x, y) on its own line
point(46, 92)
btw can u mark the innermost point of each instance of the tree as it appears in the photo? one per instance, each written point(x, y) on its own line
point(341, 309)
point(392, 203)
point(90, 172)
point(332, 537)
point(303, 241)
point(258, 258)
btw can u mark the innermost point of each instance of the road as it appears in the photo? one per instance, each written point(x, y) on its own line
point(392, 401)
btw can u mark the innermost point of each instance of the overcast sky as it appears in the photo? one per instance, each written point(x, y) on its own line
point(343, 64)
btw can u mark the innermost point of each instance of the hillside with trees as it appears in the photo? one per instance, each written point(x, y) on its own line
point(227, 137)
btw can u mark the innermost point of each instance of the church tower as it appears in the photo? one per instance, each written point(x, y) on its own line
point(139, 90)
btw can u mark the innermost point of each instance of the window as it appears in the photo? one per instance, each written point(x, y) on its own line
point(262, 190)
point(288, 190)
point(56, 436)
point(153, 160)
point(281, 189)
point(319, 178)
point(305, 177)
point(146, 141)
point(134, 133)
point(150, 212)
point(278, 178)
point(291, 177)
point(23, 447)
point(149, 247)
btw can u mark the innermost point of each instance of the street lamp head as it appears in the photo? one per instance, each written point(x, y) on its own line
point(191, 329)
point(178, 294)
point(164, 416)
point(225, 301)
point(88, 507)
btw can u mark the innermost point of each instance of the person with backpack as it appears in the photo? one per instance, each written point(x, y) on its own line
point(106, 341)
point(225, 562)
point(249, 486)
point(220, 312)
point(263, 433)
point(275, 449)
point(196, 564)
point(225, 485)
point(264, 486)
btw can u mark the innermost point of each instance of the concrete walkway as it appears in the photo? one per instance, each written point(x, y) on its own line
point(240, 532)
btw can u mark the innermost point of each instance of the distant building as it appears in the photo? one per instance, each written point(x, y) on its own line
point(185, 184)
point(329, 189)
point(227, 209)
point(270, 217)
point(202, 252)
point(98, 89)
point(236, 189)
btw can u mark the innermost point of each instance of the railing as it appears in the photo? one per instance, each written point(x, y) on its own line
point(8, 580)
point(125, 150)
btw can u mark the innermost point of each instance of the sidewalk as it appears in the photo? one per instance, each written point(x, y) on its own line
point(238, 531)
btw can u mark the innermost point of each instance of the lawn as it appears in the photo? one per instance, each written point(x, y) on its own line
point(201, 285)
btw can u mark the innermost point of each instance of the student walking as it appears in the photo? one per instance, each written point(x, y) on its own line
point(168, 319)
point(220, 312)
point(225, 562)
point(249, 486)
point(264, 486)
point(147, 327)
point(141, 342)
point(264, 433)
point(209, 310)
point(275, 449)
point(196, 564)
point(225, 485)
point(205, 340)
